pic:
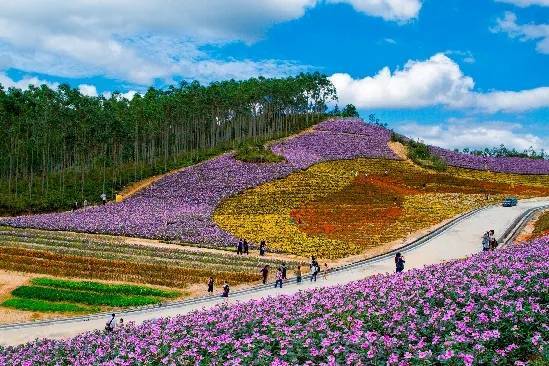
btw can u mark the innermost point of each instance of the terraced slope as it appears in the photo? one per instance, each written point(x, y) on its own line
point(66, 255)
point(339, 208)
point(179, 206)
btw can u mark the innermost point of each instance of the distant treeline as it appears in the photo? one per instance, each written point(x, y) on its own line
point(58, 146)
point(503, 151)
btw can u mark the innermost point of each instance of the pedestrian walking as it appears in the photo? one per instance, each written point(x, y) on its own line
point(75, 205)
point(278, 278)
point(325, 272)
point(284, 271)
point(211, 285)
point(262, 248)
point(226, 290)
point(240, 247)
point(246, 247)
point(103, 198)
point(298, 274)
point(399, 262)
point(109, 327)
point(486, 241)
point(314, 268)
point(265, 273)
point(493, 240)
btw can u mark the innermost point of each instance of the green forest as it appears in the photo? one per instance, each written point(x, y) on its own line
point(59, 147)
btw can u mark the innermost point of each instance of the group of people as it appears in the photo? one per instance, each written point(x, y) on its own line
point(489, 241)
point(225, 290)
point(76, 206)
point(244, 248)
point(111, 323)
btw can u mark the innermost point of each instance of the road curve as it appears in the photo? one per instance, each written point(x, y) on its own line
point(458, 239)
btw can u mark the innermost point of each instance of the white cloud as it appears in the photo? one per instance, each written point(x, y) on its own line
point(433, 82)
point(524, 32)
point(399, 10)
point(23, 83)
point(87, 89)
point(461, 133)
point(147, 40)
point(525, 3)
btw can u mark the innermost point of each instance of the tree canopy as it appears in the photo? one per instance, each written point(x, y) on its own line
point(58, 146)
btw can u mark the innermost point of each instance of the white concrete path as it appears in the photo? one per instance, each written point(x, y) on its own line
point(458, 241)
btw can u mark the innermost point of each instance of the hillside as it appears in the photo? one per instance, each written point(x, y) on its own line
point(336, 179)
point(486, 309)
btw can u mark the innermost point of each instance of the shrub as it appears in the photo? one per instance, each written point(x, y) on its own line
point(82, 297)
point(103, 288)
point(46, 306)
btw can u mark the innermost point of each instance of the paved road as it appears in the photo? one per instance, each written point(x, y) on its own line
point(460, 240)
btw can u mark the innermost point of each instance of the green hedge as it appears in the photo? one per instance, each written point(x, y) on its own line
point(82, 297)
point(103, 288)
point(46, 306)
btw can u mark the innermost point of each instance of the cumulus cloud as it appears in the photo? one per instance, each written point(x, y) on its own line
point(25, 82)
point(398, 10)
point(87, 89)
point(437, 81)
point(525, 3)
point(148, 40)
point(524, 32)
point(461, 133)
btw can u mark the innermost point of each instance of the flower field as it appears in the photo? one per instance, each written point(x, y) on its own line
point(502, 164)
point(179, 206)
point(338, 208)
point(90, 257)
point(488, 309)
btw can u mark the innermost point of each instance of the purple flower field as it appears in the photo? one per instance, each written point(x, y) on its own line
point(180, 206)
point(503, 164)
point(489, 309)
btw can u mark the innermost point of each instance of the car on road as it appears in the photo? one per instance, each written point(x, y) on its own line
point(509, 202)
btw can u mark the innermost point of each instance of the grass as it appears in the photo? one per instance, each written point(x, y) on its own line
point(81, 297)
point(46, 306)
point(420, 154)
point(255, 152)
point(103, 288)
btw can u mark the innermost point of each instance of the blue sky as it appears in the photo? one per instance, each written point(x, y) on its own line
point(454, 73)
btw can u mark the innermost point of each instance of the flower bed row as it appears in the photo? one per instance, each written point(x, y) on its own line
point(485, 310)
point(180, 205)
point(502, 164)
point(59, 254)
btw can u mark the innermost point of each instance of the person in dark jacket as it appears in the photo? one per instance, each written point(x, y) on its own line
point(240, 247)
point(226, 290)
point(211, 285)
point(246, 247)
point(262, 248)
point(265, 273)
point(399, 262)
point(284, 271)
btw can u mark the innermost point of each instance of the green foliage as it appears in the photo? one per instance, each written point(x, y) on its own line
point(46, 306)
point(58, 147)
point(103, 288)
point(503, 151)
point(81, 297)
point(349, 111)
point(421, 155)
point(256, 153)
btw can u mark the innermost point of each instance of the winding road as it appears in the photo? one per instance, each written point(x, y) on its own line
point(459, 238)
